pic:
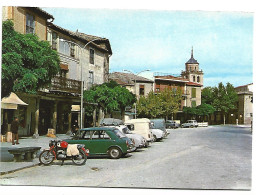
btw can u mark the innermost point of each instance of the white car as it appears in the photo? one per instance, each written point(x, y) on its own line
point(157, 134)
point(138, 140)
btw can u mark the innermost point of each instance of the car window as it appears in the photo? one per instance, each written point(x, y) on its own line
point(130, 127)
point(126, 130)
point(100, 135)
point(85, 135)
point(119, 133)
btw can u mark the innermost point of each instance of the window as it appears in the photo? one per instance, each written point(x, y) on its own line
point(91, 56)
point(193, 92)
point(64, 47)
point(142, 91)
point(194, 79)
point(100, 135)
point(54, 40)
point(91, 77)
point(30, 24)
point(72, 49)
point(193, 104)
point(198, 79)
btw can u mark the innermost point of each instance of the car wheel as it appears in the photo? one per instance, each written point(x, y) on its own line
point(115, 153)
point(154, 138)
point(191, 126)
point(146, 144)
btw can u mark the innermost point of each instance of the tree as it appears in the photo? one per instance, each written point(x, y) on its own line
point(207, 95)
point(161, 105)
point(225, 98)
point(28, 64)
point(205, 110)
point(110, 97)
point(150, 106)
point(171, 100)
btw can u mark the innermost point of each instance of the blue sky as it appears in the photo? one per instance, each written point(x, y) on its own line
point(161, 40)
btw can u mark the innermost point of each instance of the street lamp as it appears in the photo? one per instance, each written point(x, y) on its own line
point(82, 82)
point(135, 86)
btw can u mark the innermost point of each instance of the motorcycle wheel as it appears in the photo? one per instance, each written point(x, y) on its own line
point(79, 159)
point(46, 157)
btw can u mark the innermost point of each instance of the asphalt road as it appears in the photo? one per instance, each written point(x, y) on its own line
point(216, 157)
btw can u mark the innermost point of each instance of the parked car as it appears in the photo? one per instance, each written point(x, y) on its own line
point(103, 141)
point(142, 127)
point(157, 134)
point(138, 140)
point(159, 124)
point(190, 123)
point(170, 124)
point(111, 121)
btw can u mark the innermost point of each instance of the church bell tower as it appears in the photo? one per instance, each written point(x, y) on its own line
point(192, 72)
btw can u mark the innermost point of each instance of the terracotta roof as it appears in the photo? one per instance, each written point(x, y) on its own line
point(170, 77)
point(84, 37)
point(127, 78)
point(244, 85)
point(194, 84)
point(41, 12)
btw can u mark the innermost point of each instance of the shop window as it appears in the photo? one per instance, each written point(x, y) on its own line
point(30, 24)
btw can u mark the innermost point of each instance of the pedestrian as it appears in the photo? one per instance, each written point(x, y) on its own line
point(14, 130)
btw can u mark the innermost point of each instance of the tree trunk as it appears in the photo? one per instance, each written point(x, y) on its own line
point(123, 114)
point(94, 117)
point(101, 116)
point(224, 117)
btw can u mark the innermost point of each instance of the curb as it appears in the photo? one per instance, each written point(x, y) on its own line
point(18, 169)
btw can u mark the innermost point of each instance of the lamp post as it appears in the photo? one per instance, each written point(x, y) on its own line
point(135, 87)
point(82, 82)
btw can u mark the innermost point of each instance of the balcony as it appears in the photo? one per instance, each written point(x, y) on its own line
point(63, 84)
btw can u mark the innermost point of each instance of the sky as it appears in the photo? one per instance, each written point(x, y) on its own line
point(161, 39)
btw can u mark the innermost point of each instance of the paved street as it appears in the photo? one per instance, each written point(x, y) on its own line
point(216, 157)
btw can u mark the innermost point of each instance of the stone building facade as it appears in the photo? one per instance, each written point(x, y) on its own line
point(245, 103)
point(58, 106)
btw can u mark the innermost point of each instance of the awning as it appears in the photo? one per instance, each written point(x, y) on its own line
point(12, 102)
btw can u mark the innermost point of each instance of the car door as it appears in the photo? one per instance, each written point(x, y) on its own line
point(100, 142)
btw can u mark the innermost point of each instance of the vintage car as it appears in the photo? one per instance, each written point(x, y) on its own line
point(110, 122)
point(170, 124)
point(190, 123)
point(142, 127)
point(103, 141)
point(139, 141)
point(159, 124)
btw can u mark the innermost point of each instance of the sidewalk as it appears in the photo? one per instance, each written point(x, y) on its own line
point(6, 159)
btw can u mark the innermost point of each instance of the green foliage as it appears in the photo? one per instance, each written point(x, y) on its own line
point(110, 96)
point(28, 64)
point(225, 97)
point(159, 105)
point(207, 95)
point(150, 106)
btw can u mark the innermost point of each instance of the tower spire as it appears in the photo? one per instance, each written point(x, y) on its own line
point(192, 53)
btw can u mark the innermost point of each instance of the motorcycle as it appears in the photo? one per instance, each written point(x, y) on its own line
point(58, 150)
